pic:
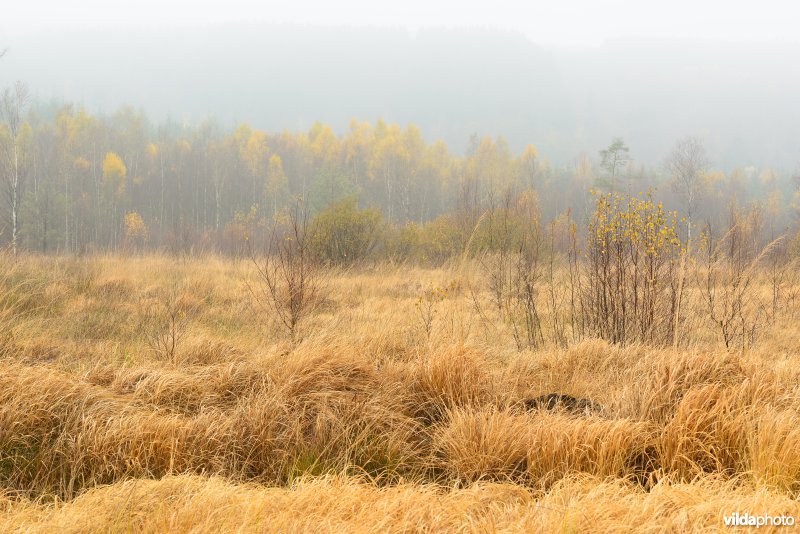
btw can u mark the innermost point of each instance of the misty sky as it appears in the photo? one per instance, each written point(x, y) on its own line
point(579, 22)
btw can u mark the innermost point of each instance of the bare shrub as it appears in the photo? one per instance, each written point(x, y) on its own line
point(560, 279)
point(426, 307)
point(290, 283)
point(783, 274)
point(514, 269)
point(727, 276)
point(165, 324)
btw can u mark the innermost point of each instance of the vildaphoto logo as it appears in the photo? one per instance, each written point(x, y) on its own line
point(763, 520)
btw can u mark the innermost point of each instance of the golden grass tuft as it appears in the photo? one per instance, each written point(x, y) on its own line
point(538, 449)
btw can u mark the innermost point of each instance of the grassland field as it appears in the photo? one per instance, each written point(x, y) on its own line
point(154, 394)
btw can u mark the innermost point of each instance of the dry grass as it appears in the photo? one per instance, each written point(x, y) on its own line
point(368, 423)
point(339, 504)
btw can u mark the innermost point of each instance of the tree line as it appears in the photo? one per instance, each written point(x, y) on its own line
point(74, 182)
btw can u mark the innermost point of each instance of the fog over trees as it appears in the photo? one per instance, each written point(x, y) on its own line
point(739, 97)
point(196, 138)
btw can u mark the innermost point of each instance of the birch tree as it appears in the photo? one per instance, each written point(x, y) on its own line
point(688, 162)
point(12, 173)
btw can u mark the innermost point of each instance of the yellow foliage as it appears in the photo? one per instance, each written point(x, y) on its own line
point(640, 224)
point(255, 151)
point(114, 172)
point(531, 153)
point(152, 150)
point(324, 142)
point(113, 167)
point(135, 228)
point(276, 179)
